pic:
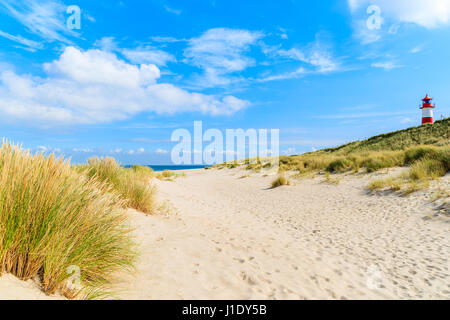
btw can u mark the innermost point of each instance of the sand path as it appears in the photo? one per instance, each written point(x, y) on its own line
point(232, 238)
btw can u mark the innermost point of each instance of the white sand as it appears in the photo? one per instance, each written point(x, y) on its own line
point(12, 288)
point(231, 238)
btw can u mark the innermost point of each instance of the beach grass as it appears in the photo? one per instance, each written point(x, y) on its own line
point(55, 221)
point(281, 180)
point(169, 175)
point(425, 149)
point(426, 164)
point(132, 184)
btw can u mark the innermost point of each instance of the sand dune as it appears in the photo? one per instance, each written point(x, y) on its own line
point(227, 237)
point(231, 238)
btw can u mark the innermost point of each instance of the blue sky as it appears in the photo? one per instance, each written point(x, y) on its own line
point(137, 70)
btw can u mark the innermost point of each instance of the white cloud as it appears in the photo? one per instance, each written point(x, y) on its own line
point(44, 18)
point(284, 76)
point(95, 86)
point(98, 67)
point(107, 44)
point(148, 55)
point(171, 10)
point(82, 150)
point(386, 65)
point(166, 39)
point(140, 55)
point(417, 49)
point(219, 53)
point(26, 42)
point(364, 34)
point(426, 13)
point(288, 151)
point(319, 58)
point(161, 151)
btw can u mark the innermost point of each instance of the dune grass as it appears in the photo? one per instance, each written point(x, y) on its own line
point(426, 163)
point(53, 219)
point(426, 149)
point(132, 184)
point(281, 180)
point(166, 174)
point(169, 175)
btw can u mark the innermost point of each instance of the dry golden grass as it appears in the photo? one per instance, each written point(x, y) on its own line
point(426, 164)
point(281, 180)
point(132, 184)
point(169, 175)
point(53, 218)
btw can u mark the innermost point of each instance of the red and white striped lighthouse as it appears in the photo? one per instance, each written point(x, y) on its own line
point(427, 110)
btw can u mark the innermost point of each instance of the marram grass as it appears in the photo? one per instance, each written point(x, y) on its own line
point(53, 218)
point(281, 180)
point(132, 185)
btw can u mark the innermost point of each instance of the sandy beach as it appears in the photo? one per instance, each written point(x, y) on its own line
point(228, 237)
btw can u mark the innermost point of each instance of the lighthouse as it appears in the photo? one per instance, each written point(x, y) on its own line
point(427, 110)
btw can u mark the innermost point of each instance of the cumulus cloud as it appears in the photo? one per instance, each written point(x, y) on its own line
point(426, 13)
point(94, 86)
point(220, 52)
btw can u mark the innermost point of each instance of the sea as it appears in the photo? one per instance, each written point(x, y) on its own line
point(172, 167)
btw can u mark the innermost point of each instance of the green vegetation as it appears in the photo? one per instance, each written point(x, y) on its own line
point(437, 134)
point(426, 149)
point(426, 163)
point(53, 219)
point(383, 151)
point(133, 184)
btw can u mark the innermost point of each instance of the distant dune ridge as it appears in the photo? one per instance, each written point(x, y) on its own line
point(324, 230)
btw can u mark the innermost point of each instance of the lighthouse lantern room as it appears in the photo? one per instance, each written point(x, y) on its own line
point(427, 110)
